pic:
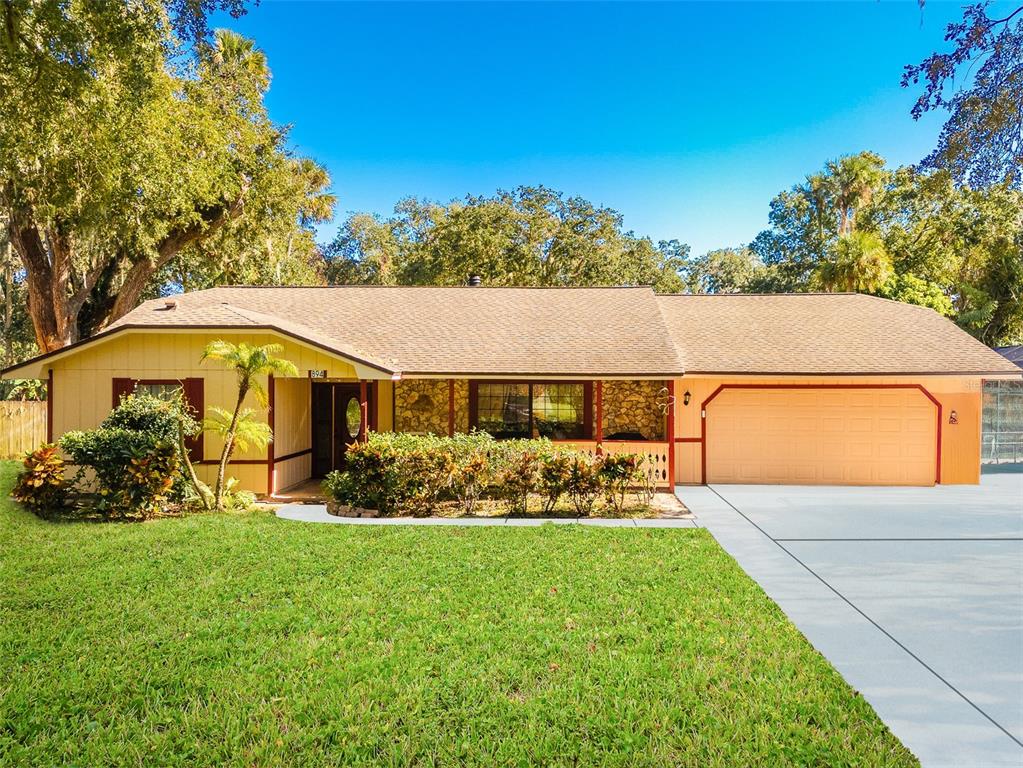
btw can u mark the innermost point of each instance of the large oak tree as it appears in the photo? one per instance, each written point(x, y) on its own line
point(979, 83)
point(130, 136)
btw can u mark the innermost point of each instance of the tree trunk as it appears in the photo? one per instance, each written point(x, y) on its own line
point(143, 270)
point(8, 306)
point(46, 306)
point(56, 297)
point(200, 488)
point(225, 455)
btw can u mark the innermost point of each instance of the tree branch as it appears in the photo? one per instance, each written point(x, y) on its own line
point(142, 271)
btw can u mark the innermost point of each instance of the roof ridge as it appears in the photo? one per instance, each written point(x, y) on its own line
point(434, 287)
point(779, 293)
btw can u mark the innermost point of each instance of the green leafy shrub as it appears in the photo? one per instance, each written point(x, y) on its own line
point(41, 485)
point(583, 484)
point(132, 473)
point(395, 472)
point(618, 472)
point(130, 467)
point(552, 480)
point(471, 469)
point(414, 474)
point(372, 479)
point(342, 488)
point(152, 415)
point(520, 478)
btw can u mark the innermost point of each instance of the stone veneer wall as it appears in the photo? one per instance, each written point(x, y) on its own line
point(631, 406)
point(421, 405)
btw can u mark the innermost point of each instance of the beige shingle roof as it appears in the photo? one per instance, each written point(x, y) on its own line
point(820, 334)
point(585, 332)
point(450, 330)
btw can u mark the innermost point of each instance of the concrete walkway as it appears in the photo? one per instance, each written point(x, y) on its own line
point(914, 594)
point(317, 513)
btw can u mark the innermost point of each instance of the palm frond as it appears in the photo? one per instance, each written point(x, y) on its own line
point(250, 431)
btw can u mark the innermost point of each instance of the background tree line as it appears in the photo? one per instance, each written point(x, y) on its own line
point(137, 158)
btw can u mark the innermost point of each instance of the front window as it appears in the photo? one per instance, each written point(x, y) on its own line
point(163, 391)
point(559, 411)
point(555, 410)
point(503, 410)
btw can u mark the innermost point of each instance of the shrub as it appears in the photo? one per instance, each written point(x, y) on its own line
point(373, 482)
point(617, 472)
point(41, 485)
point(413, 474)
point(583, 484)
point(471, 470)
point(130, 467)
point(133, 472)
point(552, 482)
point(519, 479)
point(153, 416)
point(342, 488)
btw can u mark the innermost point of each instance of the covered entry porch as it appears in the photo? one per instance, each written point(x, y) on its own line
point(316, 418)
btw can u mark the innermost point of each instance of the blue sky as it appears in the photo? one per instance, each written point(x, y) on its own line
point(686, 118)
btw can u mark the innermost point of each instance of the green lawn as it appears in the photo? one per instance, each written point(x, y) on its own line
point(253, 641)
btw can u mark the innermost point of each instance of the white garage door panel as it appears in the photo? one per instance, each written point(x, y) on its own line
point(831, 436)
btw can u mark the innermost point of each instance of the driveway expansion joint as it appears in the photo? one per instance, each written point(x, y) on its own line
point(857, 609)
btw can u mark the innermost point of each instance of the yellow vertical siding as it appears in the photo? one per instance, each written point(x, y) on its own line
point(292, 431)
point(385, 411)
point(83, 388)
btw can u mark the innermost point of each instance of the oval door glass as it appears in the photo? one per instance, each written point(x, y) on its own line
point(353, 417)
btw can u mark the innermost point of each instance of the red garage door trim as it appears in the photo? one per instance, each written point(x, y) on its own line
point(723, 387)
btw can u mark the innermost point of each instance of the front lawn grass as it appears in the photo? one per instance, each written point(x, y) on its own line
point(247, 640)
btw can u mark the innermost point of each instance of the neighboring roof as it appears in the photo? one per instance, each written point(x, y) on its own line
point(450, 330)
point(1012, 354)
point(834, 334)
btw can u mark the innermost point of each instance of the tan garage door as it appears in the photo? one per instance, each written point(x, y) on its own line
point(827, 436)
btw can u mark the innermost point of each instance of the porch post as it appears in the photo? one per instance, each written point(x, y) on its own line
point(671, 434)
point(49, 406)
point(364, 405)
point(270, 490)
point(598, 397)
point(451, 407)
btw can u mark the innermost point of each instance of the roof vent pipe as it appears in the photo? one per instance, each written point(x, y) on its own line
point(170, 304)
point(475, 281)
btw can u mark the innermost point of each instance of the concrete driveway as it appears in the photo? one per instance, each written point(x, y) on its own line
point(914, 594)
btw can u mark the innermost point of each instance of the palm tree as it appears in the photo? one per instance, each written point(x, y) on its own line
point(854, 180)
point(233, 50)
point(860, 262)
point(249, 363)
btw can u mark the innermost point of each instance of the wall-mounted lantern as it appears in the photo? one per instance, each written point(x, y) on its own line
point(953, 418)
point(686, 397)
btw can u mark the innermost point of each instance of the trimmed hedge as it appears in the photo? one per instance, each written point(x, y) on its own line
point(398, 473)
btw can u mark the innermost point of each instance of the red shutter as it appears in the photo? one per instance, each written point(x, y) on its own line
point(194, 397)
point(122, 387)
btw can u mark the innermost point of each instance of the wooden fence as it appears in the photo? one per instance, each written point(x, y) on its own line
point(22, 427)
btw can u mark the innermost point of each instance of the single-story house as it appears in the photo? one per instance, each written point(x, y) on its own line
point(803, 388)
